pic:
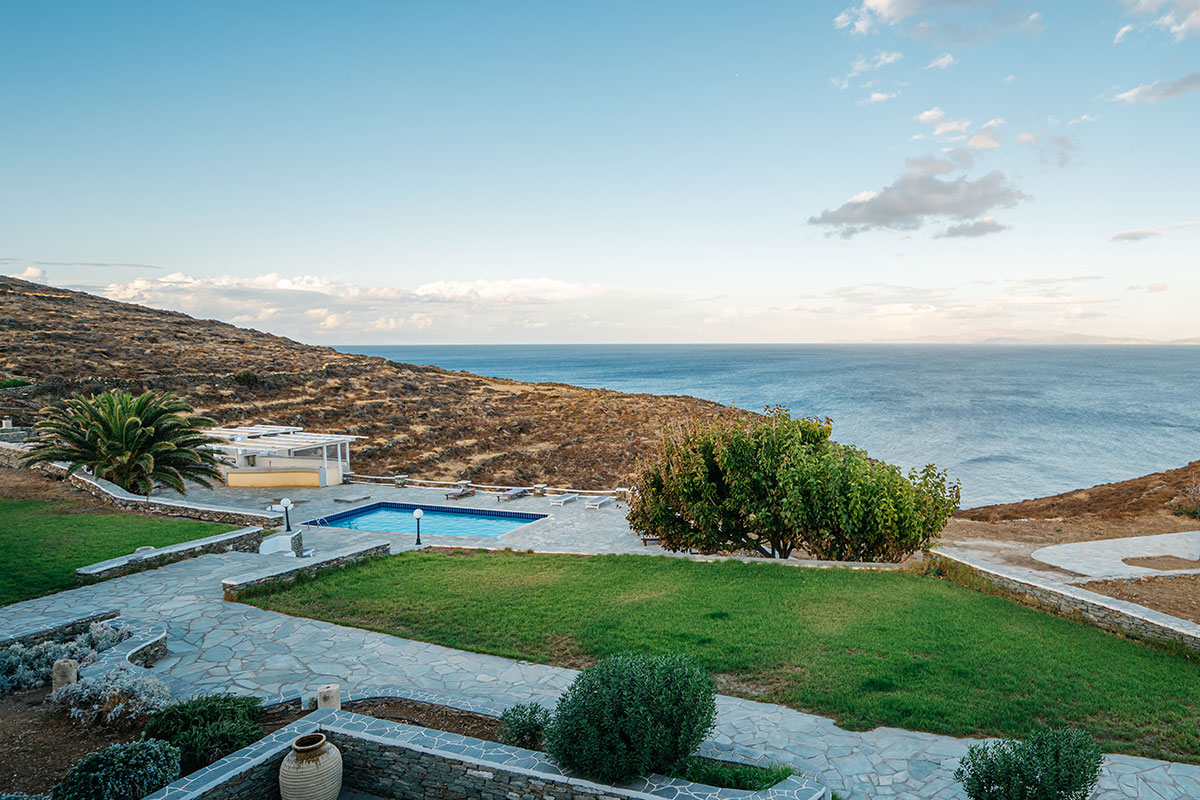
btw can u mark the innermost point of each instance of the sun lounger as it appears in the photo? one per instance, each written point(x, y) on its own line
point(462, 491)
point(648, 538)
point(563, 499)
point(511, 494)
point(598, 502)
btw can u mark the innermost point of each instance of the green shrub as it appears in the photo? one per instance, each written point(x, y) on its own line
point(1188, 511)
point(12, 383)
point(1052, 764)
point(631, 715)
point(775, 484)
point(245, 377)
point(121, 772)
point(119, 697)
point(208, 728)
point(727, 775)
point(524, 725)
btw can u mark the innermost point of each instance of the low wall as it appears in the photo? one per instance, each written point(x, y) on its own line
point(59, 629)
point(246, 540)
point(404, 762)
point(232, 588)
point(1104, 612)
point(264, 478)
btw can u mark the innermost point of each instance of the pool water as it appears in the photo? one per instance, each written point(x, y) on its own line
point(437, 520)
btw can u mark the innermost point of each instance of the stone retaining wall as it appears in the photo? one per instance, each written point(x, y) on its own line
point(404, 762)
point(1104, 612)
point(56, 631)
point(246, 540)
point(232, 588)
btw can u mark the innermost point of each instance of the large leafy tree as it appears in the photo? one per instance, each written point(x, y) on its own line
point(135, 442)
point(777, 484)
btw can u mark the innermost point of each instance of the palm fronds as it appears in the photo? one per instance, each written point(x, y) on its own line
point(135, 442)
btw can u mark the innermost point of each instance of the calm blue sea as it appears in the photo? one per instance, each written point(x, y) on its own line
point(1010, 422)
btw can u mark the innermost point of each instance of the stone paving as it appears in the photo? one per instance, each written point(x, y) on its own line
point(1106, 558)
point(220, 646)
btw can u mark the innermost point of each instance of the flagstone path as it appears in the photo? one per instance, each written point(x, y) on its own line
point(221, 646)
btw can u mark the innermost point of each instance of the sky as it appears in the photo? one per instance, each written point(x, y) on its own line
point(527, 172)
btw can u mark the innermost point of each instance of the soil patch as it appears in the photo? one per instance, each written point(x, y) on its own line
point(410, 712)
point(32, 484)
point(1177, 595)
point(1162, 562)
point(41, 743)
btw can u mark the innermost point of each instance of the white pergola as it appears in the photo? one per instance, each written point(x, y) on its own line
point(283, 440)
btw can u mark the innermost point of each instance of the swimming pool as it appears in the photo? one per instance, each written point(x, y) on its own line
point(437, 520)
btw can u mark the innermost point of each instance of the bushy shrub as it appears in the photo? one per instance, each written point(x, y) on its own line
point(24, 667)
point(114, 698)
point(631, 715)
point(207, 728)
point(247, 378)
point(1052, 764)
point(11, 383)
point(524, 725)
point(121, 772)
point(775, 484)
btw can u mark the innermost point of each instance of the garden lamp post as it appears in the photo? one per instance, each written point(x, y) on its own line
point(417, 516)
point(286, 505)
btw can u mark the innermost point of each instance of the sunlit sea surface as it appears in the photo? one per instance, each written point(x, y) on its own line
point(1010, 422)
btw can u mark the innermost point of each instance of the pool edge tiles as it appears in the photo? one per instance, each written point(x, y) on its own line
point(433, 512)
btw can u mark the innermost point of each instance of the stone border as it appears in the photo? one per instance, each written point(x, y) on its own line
point(246, 540)
point(474, 705)
point(12, 456)
point(376, 752)
point(63, 628)
point(1107, 613)
point(232, 588)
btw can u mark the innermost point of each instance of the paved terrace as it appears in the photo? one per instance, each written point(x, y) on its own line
point(219, 646)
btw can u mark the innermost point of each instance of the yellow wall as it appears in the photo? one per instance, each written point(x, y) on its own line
point(241, 478)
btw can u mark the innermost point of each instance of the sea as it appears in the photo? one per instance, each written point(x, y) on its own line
point(1010, 422)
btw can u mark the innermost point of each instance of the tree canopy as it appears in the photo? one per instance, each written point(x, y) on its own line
point(776, 484)
point(135, 442)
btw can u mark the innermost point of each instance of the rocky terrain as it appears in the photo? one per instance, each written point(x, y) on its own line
point(423, 421)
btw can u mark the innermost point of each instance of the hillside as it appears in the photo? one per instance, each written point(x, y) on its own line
point(424, 421)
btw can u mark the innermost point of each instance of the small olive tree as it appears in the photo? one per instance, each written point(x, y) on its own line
point(776, 484)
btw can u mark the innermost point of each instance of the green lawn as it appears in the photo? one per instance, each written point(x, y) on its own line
point(868, 648)
point(42, 543)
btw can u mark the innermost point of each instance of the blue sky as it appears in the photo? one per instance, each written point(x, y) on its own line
point(616, 171)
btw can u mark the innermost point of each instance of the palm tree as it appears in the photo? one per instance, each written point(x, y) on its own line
point(135, 442)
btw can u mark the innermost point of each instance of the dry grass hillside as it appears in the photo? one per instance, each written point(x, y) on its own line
point(424, 421)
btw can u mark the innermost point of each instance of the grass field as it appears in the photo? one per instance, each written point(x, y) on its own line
point(42, 542)
point(868, 648)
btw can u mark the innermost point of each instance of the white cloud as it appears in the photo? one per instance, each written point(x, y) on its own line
point(1054, 150)
point(941, 124)
point(1083, 118)
point(988, 137)
point(1009, 78)
point(1160, 90)
point(1138, 234)
point(956, 21)
point(1181, 18)
point(1027, 138)
point(880, 97)
point(918, 197)
point(518, 290)
point(35, 274)
point(975, 229)
point(941, 62)
point(1122, 33)
point(860, 65)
